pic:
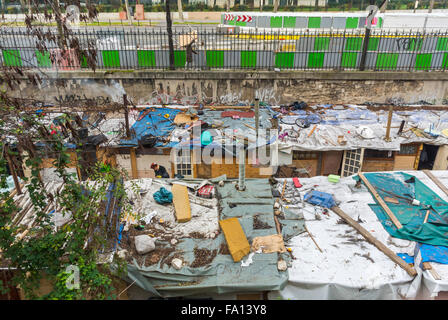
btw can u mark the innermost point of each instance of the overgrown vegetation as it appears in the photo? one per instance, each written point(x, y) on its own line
point(40, 249)
point(290, 6)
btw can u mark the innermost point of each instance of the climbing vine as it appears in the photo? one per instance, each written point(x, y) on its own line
point(47, 251)
point(41, 250)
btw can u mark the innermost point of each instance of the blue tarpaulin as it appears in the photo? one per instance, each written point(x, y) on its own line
point(158, 122)
point(407, 258)
point(431, 253)
point(320, 198)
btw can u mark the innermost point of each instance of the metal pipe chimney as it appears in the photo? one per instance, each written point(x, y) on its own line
point(242, 169)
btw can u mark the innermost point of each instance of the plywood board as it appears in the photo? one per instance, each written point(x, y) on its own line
point(377, 165)
point(331, 162)
point(404, 162)
point(181, 203)
point(235, 238)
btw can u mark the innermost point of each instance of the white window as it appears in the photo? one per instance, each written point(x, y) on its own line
point(182, 164)
point(352, 162)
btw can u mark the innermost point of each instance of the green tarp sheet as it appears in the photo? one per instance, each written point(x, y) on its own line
point(405, 187)
point(222, 275)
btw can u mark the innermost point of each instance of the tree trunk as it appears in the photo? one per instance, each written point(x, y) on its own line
point(416, 5)
point(227, 5)
point(431, 6)
point(384, 6)
point(261, 5)
point(128, 13)
point(179, 8)
point(170, 33)
point(59, 22)
point(316, 5)
point(275, 5)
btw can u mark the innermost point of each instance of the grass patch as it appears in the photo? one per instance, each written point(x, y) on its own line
point(194, 22)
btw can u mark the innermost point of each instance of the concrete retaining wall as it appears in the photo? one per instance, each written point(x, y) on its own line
point(230, 88)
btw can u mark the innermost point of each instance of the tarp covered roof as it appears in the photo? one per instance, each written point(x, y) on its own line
point(345, 121)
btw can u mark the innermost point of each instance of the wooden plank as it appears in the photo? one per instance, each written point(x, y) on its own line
point(380, 201)
point(312, 130)
point(312, 238)
point(283, 190)
point(12, 168)
point(133, 163)
point(391, 200)
point(277, 225)
point(368, 236)
point(436, 181)
point(426, 216)
point(235, 238)
point(426, 266)
point(181, 203)
point(435, 274)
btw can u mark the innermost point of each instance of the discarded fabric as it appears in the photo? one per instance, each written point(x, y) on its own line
point(163, 196)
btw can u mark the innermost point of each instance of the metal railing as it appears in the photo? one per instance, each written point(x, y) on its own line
point(147, 48)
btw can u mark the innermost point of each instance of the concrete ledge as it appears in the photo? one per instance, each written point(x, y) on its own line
point(249, 75)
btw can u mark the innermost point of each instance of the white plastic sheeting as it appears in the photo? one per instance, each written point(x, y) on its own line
point(349, 267)
point(345, 123)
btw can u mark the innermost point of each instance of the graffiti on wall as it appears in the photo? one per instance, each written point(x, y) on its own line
point(78, 99)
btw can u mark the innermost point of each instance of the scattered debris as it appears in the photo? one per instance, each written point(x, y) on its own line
point(366, 255)
point(281, 265)
point(177, 263)
point(258, 224)
point(144, 244)
point(203, 257)
point(224, 249)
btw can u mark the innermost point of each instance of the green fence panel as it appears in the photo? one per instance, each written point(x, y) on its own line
point(43, 60)
point(146, 58)
point(351, 23)
point(83, 61)
point(215, 58)
point(314, 22)
point(380, 22)
point(353, 44)
point(415, 44)
point(373, 44)
point(316, 59)
point(284, 60)
point(111, 58)
point(276, 22)
point(240, 23)
point(11, 58)
point(289, 22)
point(442, 44)
point(349, 59)
point(445, 61)
point(248, 59)
point(321, 44)
point(387, 61)
point(180, 58)
point(423, 61)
